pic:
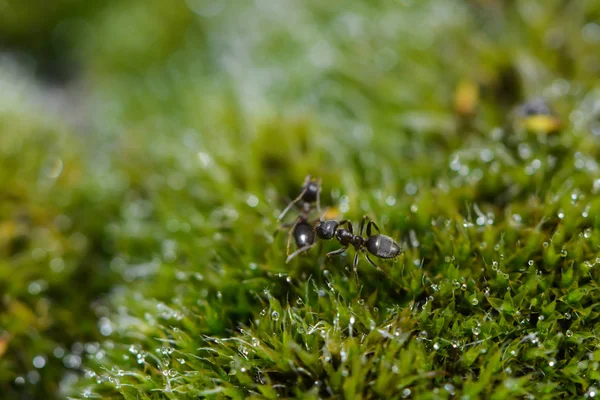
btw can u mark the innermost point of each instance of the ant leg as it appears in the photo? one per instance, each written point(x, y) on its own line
point(297, 199)
point(373, 224)
point(300, 250)
point(355, 267)
point(349, 224)
point(289, 241)
point(336, 252)
point(283, 226)
point(362, 224)
point(380, 270)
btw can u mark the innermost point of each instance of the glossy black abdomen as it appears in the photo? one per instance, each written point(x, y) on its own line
point(304, 235)
point(383, 246)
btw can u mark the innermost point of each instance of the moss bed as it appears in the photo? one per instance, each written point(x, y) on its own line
point(141, 188)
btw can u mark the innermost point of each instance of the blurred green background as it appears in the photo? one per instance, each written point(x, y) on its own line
point(146, 148)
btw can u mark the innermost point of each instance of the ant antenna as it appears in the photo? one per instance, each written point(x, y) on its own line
point(297, 199)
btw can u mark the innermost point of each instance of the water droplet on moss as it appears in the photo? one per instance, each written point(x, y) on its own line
point(476, 331)
point(545, 244)
point(275, 315)
point(530, 262)
point(563, 252)
point(552, 362)
point(474, 301)
point(39, 361)
point(591, 392)
point(463, 287)
point(495, 265)
point(567, 315)
point(436, 346)
point(455, 343)
point(405, 393)
point(569, 333)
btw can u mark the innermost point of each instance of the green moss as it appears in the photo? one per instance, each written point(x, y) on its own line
point(407, 112)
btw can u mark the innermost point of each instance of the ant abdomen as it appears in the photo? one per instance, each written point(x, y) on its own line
point(383, 246)
point(304, 234)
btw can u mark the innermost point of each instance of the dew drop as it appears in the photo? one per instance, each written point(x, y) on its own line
point(275, 315)
point(569, 333)
point(252, 201)
point(563, 252)
point(476, 331)
point(405, 393)
point(591, 392)
point(567, 315)
point(552, 362)
point(436, 346)
point(530, 262)
point(474, 301)
point(495, 265)
point(454, 343)
point(53, 167)
point(463, 287)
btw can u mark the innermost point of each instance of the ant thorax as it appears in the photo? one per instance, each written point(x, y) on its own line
point(345, 237)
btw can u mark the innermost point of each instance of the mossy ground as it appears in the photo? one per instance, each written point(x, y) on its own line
point(138, 206)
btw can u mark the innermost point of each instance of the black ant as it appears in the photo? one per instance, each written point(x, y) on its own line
point(379, 245)
point(306, 232)
point(311, 193)
point(302, 229)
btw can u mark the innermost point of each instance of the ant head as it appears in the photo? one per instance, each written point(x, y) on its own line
point(326, 229)
point(311, 191)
